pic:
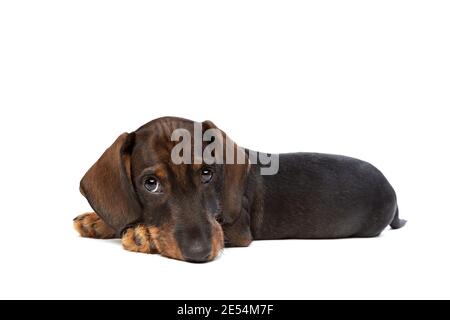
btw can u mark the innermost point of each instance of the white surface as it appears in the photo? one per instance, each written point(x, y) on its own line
point(364, 79)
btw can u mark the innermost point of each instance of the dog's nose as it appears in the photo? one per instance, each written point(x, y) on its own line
point(197, 252)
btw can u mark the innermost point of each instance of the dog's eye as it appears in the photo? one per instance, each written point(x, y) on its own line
point(207, 175)
point(152, 184)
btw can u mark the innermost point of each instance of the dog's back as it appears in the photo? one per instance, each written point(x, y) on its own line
point(325, 196)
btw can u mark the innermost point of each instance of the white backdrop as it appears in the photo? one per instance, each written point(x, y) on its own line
point(361, 78)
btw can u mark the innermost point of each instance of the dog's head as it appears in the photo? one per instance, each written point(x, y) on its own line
point(136, 181)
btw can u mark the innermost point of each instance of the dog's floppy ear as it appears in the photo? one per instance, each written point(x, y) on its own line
point(108, 188)
point(235, 176)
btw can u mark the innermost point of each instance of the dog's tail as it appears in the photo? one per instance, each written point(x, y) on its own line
point(397, 223)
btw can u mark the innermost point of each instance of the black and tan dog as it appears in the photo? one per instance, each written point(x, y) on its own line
point(190, 211)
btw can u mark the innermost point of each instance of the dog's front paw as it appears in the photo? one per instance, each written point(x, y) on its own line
point(138, 239)
point(90, 225)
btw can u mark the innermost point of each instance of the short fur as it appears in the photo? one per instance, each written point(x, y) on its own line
point(313, 196)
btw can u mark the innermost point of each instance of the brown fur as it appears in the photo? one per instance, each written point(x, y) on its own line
point(138, 239)
point(217, 240)
point(165, 241)
point(160, 173)
point(89, 225)
point(109, 178)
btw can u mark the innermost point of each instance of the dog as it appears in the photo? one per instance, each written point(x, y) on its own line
point(190, 212)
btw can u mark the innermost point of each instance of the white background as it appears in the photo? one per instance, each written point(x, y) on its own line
point(368, 79)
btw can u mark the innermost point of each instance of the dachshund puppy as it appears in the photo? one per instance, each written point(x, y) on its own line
point(189, 211)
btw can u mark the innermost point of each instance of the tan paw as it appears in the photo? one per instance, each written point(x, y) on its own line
point(90, 225)
point(138, 239)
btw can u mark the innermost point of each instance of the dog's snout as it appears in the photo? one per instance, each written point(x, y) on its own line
point(197, 252)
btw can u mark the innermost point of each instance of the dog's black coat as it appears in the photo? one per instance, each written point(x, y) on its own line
point(321, 196)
